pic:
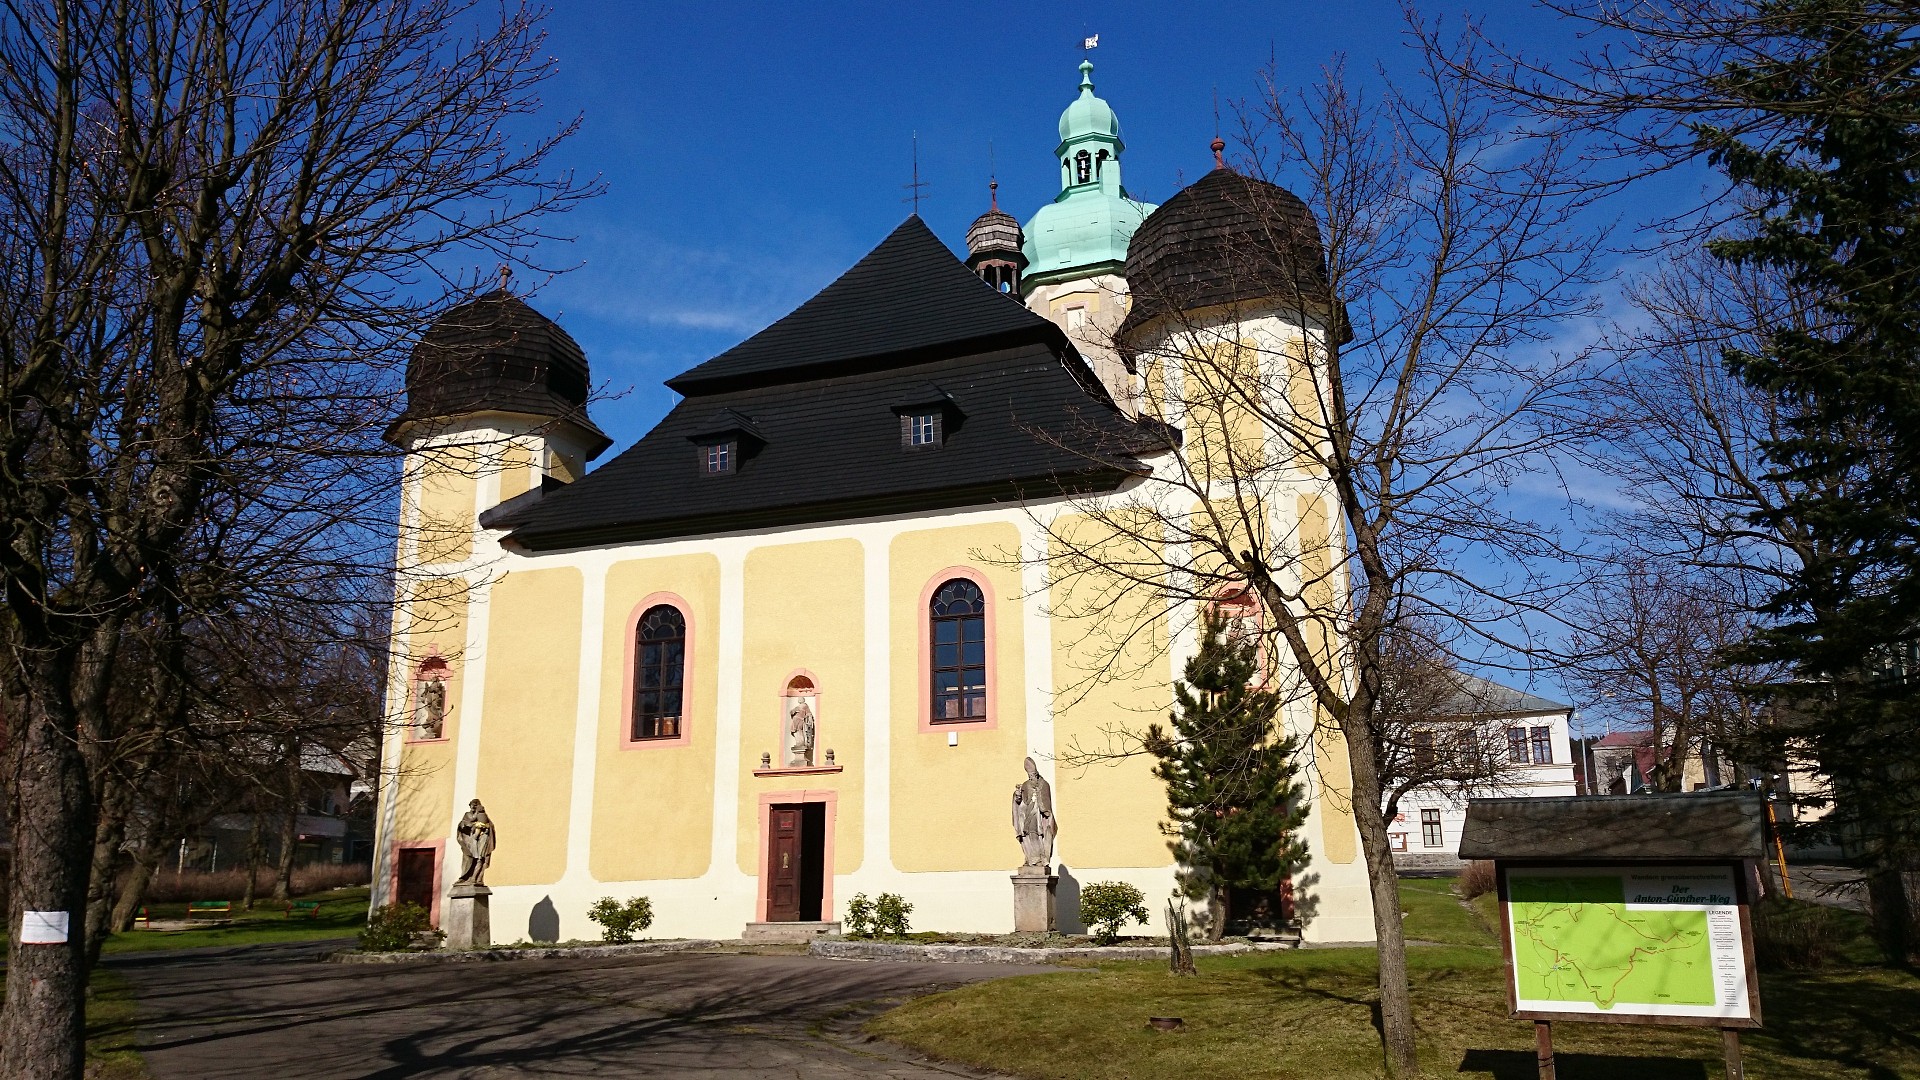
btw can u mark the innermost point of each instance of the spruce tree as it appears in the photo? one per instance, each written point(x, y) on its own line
point(1832, 174)
point(1232, 788)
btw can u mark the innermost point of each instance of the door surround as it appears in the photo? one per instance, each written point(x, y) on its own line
point(438, 847)
point(831, 799)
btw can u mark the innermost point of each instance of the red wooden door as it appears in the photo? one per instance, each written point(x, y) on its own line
point(783, 864)
point(416, 877)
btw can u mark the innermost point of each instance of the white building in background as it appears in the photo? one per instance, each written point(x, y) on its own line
point(1533, 735)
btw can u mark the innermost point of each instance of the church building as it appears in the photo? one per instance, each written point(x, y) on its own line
point(799, 640)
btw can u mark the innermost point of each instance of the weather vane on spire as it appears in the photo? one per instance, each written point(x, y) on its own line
point(917, 183)
point(1090, 43)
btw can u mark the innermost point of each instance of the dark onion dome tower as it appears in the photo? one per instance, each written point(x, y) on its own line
point(1227, 242)
point(993, 246)
point(496, 355)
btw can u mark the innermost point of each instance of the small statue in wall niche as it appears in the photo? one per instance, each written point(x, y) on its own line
point(800, 732)
point(476, 838)
point(1033, 824)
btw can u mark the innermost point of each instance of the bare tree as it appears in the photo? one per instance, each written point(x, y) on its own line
point(1345, 400)
point(216, 221)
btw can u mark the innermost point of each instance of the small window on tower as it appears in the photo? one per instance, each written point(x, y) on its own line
point(920, 430)
point(1082, 167)
point(1076, 319)
point(717, 458)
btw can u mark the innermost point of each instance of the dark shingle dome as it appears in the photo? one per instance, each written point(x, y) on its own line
point(995, 232)
point(1224, 239)
point(494, 353)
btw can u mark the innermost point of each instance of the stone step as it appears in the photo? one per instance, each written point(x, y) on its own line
point(788, 931)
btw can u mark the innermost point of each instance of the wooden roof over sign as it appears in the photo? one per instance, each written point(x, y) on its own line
point(1617, 828)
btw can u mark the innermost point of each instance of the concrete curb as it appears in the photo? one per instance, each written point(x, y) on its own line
point(1010, 954)
point(637, 948)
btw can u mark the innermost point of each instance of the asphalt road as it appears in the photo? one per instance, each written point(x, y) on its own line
point(276, 1012)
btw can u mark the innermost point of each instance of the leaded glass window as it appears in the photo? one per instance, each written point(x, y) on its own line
point(660, 673)
point(958, 617)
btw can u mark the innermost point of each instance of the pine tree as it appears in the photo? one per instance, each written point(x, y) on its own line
point(1232, 792)
point(1835, 179)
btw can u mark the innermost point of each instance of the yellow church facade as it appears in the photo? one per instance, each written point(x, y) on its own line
point(798, 642)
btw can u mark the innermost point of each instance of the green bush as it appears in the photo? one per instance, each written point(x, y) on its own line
point(886, 915)
point(1106, 905)
point(890, 913)
point(620, 922)
point(391, 928)
point(860, 916)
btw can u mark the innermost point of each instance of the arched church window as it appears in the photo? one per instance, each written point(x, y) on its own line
point(660, 675)
point(1099, 163)
point(958, 664)
point(1082, 167)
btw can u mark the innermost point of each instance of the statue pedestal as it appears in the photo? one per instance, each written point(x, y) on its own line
point(465, 919)
point(1033, 900)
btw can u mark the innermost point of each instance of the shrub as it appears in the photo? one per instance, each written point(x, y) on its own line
point(619, 922)
point(885, 915)
point(890, 913)
point(1476, 880)
point(1106, 905)
point(1792, 935)
point(860, 916)
point(392, 927)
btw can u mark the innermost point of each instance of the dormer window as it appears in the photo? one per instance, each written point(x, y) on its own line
point(724, 442)
point(920, 430)
point(717, 458)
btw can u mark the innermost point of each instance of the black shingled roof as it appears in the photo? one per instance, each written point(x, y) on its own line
point(1716, 825)
point(823, 407)
point(908, 295)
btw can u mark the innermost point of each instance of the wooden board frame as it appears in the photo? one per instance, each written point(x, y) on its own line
point(1745, 878)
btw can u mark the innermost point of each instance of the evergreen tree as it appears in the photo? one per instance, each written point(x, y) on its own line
point(1232, 791)
point(1831, 172)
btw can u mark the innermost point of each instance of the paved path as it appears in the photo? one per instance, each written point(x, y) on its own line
point(274, 1012)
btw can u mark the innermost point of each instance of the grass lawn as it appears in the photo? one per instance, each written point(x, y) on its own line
point(342, 914)
point(110, 1030)
point(1308, 1014)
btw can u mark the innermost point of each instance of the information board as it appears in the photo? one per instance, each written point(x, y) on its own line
point(1653, 943)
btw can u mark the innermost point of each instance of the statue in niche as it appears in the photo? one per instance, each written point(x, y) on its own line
point(1033, 823)
point(476, 838)
point(430, 710)
point(800, 731)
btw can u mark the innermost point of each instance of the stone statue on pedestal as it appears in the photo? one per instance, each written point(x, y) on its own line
point(476, 837)
point(800, 732)
point(1033, 823)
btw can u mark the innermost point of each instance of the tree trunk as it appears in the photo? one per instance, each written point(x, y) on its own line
point(1216, 912)
point(1892, 914)
point(102, 886)
point(42, 1022)
point(253, 861)
point(1396, 998)
point(283, 879)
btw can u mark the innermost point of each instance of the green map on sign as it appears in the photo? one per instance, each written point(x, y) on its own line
point(1574, 939)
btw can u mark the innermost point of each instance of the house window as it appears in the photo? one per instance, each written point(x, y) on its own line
point(660, 673)
point(1397, 841)
point(920, 429)
point(1076, 319)
point(1423, 750)
point(958, 664)
point(1430, 832)
point(1543, 746)
point(1517, 745)
point(717, 458)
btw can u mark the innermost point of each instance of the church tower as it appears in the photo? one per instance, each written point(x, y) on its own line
point(993, 246)
point(1076, 246)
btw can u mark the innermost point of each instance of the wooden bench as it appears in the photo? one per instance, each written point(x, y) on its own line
point(303, 909)
point(209, 908)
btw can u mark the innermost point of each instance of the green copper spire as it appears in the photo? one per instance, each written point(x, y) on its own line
point(1085, 230)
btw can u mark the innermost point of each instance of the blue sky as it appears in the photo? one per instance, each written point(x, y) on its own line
point(752, 152)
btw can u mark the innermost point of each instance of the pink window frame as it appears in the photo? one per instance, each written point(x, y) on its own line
point(647, 603)
point(420, 675)
point(439, 849)
point(1243, 596)
point(924, 618)
point(767, 801)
